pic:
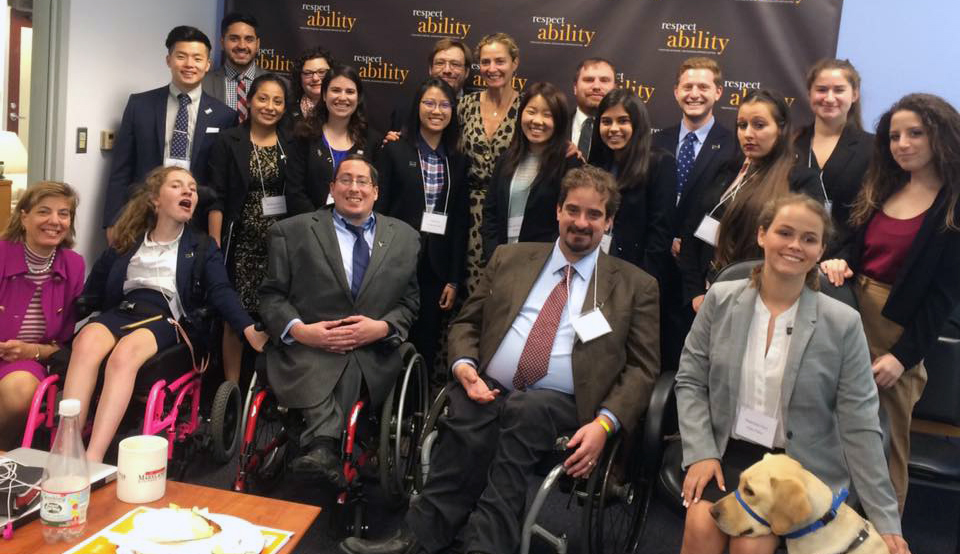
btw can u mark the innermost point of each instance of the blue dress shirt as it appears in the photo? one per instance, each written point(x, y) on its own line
point(701, 133)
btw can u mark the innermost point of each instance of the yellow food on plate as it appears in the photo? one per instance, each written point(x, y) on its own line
point(174, 525)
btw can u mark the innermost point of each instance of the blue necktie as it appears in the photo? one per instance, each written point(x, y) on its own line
point(685, 162)
point(361, 258)
point(180, 139)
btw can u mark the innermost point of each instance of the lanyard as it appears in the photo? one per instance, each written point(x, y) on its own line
point(256, 158)
point(826, 198)
point(732, 194)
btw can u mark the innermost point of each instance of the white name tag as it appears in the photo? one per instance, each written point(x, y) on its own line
point(591, 325)
point(513, 226)
point(208, 111)
point(434, 223)
point(755, 426)
point(177, 162)
point(273, 205)
point(708, 230)
point(213, 129)
point(605, 241)
point(329, 199)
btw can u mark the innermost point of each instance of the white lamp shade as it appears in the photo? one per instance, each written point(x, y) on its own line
point(12, 153)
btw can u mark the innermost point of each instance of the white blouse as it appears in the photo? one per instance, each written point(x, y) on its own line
point(154, 266)
point(761, 375)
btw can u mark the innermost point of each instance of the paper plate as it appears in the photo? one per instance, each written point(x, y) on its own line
point(237, 536)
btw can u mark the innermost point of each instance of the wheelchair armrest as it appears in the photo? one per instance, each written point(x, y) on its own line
point(661, 419)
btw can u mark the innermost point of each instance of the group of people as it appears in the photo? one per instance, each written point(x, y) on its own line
point(554, 258)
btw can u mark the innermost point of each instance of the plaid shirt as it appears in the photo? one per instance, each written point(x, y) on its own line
point(230, 81)
point(432, 166)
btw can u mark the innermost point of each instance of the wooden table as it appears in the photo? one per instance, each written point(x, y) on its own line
point(105, 509)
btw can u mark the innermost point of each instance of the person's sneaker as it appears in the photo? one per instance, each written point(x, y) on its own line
point(323, 462)
point(401, 542)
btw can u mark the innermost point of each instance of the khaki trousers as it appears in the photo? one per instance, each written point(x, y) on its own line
point(898, 400)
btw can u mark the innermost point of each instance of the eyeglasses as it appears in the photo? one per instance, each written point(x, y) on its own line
point(433, 104)
point(318, 72)
point(440, 64)
point(347, 181)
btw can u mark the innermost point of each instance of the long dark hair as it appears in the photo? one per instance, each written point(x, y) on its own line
point(451, 133)
point(297, 74)
point(552, 159)
point(312, 127)
point(885, 176)
point(768, 177)
point(268, 78)
point(636, 157)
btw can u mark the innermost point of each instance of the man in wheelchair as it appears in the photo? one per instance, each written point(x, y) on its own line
point(339, 297)
point(558, 339)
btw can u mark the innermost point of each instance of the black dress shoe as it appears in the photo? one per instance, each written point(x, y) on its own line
point(322, 462)
point(401, 542)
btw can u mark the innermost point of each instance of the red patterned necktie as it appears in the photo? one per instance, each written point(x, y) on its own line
point(536, 352)
point(241, 100)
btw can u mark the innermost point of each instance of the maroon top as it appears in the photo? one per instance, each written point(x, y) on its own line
point(886, 244)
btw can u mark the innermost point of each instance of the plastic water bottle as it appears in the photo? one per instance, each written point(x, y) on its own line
point(65, 486)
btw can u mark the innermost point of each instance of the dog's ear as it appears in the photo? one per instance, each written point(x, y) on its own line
point(790, 506)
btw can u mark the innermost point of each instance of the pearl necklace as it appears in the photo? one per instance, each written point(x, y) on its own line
point(36, 270)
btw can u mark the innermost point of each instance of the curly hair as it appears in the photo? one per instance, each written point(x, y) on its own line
point(139, 214)
point(310, 54)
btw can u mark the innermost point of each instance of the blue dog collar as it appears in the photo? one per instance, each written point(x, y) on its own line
point(838, 499)
point(749, 510)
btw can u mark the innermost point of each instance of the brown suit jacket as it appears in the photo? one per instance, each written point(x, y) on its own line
point(616, 371)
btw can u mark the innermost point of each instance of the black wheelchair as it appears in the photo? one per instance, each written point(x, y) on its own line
point(384, 438)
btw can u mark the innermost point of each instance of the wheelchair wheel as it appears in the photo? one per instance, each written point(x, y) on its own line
point(429, 435)
point(614, 507)
point(401, 421)
point(225, 422)
point(270, 449)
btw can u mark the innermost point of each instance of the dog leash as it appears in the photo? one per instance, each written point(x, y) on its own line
point(838, 499)
point(861, 538)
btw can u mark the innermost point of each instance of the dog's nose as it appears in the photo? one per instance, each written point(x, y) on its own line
point(716, 511)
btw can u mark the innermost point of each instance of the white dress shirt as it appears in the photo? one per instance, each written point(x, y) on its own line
point(761, 375)
point(578, 118)
point(173, 105)
point(154, 266)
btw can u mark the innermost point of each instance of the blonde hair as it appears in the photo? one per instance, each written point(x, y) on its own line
point(139, 214)
point(35, 194)
point(502, 38)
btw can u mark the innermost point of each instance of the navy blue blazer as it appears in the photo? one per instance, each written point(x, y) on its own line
point(138, 147)
point(105, 283)
point(719, 148)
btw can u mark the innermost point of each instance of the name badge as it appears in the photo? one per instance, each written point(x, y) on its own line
point(273, 205)
point(513, 226)
point(434, 223)
point(708, 230)
point(591, 325)
point(213, 129)
point(605, 241)
point(755, 426)
point(329, 199)
point(177, 162)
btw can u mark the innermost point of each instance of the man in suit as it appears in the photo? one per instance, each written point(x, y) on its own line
point(594, 78)
point(702, 147)
point(533, 359)
point(230, 82)
point(338, 299)
point(175, 124)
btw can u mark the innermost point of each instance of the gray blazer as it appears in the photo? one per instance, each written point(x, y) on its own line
point(831, 414)
point(214, 85)
point(305, 279)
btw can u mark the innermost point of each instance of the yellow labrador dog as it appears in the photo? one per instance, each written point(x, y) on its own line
point(776, 495)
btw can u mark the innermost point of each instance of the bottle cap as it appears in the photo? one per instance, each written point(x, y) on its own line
point(69, 407)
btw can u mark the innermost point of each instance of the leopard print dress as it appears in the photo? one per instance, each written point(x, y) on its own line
point(483, 153)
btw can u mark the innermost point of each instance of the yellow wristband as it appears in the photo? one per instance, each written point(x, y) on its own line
point(604, 425)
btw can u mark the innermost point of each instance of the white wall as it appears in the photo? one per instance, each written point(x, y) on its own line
point(901, 47)
point(112, 49)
